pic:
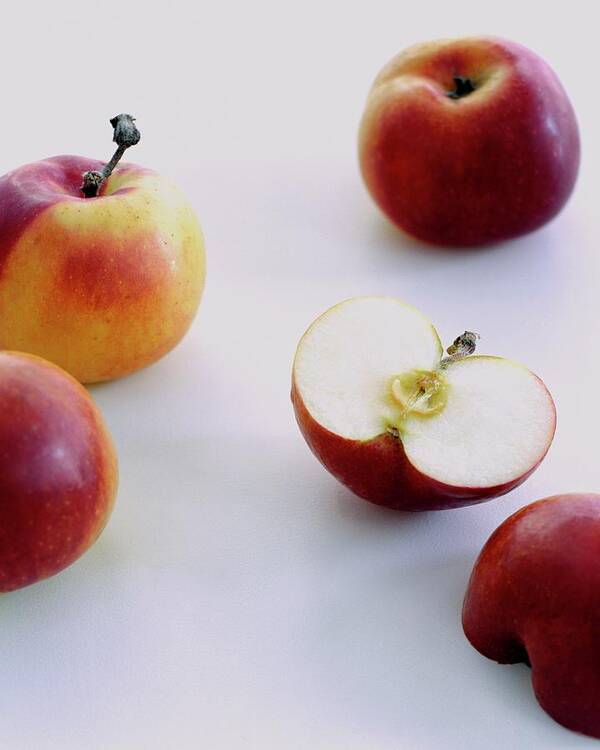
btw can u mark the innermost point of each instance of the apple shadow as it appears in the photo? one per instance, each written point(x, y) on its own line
point(355, 509)
point(387, 242)
point(462, 523)
point(385, 652)
point(383, 232)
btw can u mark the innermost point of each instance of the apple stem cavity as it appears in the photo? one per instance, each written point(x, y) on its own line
point(462, 87)
point(125, 135)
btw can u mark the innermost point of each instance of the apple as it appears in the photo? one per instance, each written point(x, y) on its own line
point(404, 427)
point(468, 141)
point(58, 470)
point(533, 597)
point(103, 285)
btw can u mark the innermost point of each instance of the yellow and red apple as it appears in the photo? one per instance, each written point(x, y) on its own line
point(100, 286)
point(468, 141)
point(58, 470)
point(533, 598)
point(405, 427)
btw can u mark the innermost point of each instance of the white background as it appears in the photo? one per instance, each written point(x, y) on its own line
point(240, 597)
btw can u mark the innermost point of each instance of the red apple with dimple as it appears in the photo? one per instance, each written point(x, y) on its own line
point(58, 470)
point(534, 597)
point(405, 427)
point(469, 141)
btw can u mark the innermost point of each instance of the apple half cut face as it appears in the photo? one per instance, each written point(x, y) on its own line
point(404, 426)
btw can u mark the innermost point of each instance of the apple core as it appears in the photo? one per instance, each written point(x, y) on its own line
point(425, 392)
point(422, 392)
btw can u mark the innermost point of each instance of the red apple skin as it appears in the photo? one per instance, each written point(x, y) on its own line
point(101, 286)
point(379, 471)
point(58, 470)
point(533, 597)
point(495, 164)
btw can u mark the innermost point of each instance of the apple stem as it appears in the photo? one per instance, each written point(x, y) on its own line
point(125, 135)
point(462, 347)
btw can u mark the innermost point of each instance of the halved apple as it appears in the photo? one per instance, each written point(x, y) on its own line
point(405, 427)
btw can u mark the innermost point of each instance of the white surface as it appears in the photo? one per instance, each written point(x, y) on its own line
point(240, 598)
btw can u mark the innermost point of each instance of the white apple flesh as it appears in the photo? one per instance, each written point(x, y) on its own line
point(404, 427)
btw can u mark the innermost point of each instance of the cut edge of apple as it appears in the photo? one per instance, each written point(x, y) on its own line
point(496, 421)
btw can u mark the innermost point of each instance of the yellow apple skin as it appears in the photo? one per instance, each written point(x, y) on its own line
point(100, 286)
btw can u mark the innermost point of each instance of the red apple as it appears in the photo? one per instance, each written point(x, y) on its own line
point(534, 597)
point(404, 427)
point(58, 470)
point(101, 286)
point(468, 141)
